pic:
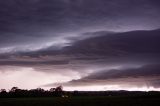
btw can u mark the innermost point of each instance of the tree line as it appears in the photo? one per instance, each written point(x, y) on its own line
point(39, 92)
point(15, 92)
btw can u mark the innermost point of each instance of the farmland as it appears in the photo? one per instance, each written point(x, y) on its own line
point(82, 101)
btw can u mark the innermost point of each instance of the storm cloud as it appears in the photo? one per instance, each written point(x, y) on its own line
point(86, 42)
point(44, 21)
point(147, 75)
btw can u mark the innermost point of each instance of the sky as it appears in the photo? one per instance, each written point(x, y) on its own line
point(80, 44)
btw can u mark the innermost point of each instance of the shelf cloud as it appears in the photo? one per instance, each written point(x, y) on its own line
point(85, 42)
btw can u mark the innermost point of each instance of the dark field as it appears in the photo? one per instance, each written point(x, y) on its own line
point(82, 101)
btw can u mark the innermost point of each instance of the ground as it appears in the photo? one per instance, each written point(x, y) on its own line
point(82, 101)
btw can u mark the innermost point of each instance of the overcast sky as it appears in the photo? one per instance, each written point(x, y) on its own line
point(80, 44)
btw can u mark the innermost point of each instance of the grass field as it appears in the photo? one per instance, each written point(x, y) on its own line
point(81, 101)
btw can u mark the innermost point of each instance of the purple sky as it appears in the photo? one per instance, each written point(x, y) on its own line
point(80, 44)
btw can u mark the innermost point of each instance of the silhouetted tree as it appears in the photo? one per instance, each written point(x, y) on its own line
point(3, 90)
point(13, 89)
point(59, 89)
point(52, 89)
point(40, 90)
point(3, 93)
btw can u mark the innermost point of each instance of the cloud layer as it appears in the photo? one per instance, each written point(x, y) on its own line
point(91, 42)
point(37, 24)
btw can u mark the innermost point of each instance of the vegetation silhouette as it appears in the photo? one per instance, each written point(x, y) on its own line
point(58, 97)
point(39, 92)
point(15, 92)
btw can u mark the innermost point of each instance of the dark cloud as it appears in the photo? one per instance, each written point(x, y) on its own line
point(104, 49)
point(84, 36)
point(24, 22)
point(135, 42)
point(109, 45)
point(146, 75)
point(144, 71)
point(32, 63)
